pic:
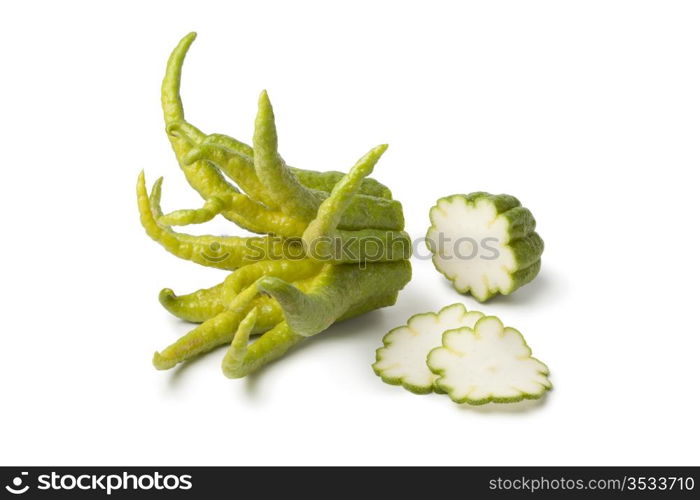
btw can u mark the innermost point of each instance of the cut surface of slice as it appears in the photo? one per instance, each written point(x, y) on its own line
point(487, 363)
point(484, 244)
point(402, 360)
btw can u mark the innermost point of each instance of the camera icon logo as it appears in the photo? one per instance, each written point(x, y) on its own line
point(16, 487)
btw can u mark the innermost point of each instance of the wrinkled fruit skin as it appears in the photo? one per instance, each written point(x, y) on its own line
point(332, 245)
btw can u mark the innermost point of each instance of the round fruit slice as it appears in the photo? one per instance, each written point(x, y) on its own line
point(484, 244)
point(402, 359)
point(487, 363)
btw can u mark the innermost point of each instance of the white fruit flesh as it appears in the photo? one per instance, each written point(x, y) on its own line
point(481, 264)
point(488, 363)
point(402, 360)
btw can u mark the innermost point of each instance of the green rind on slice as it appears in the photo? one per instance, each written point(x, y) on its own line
point(484, 244)
point(521, 222)
point(527, 249)
point(526, 275)
point(502, 202)
point(401, 361)
point(487, 363)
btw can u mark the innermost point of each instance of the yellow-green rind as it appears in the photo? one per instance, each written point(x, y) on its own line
point(325, 181)
point(336, 291)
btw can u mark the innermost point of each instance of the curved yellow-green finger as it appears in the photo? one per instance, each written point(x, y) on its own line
point(239, 345)
point(212, 251)
point(331, 210)
point(293, 198)
point(237, 167)
point(202, 175)
point(260, 219)
point(218, 330)
point(229, 143)
point(212, 207)
point(185, 132)
point(289, 270)
point(170, 89)
point(242, 358)
point(323, 240)
point(246, 212)
point(195, 307)
point(204, 338)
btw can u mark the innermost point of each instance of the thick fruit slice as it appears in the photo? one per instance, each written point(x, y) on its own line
point(484, 244)
point(487, 363)
point(402, 359)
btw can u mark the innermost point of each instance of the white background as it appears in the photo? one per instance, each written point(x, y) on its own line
point(589, 112)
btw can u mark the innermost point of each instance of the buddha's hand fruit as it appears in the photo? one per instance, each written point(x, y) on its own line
point(333, 244)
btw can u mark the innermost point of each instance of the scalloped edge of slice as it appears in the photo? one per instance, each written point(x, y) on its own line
point(402, 359)
point(488, 363)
